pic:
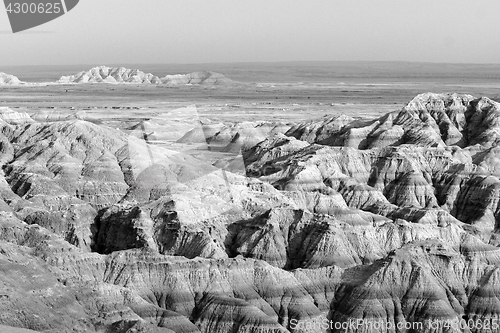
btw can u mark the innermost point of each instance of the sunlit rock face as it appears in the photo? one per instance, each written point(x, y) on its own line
point(13, 117)
point(330, 221)
point(430, 120)
point(7, 79)
point(105, 74)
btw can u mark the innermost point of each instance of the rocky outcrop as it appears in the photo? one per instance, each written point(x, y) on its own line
point(421, 170)
point(315, 131)
point(243, 136)
point(104, 74)
point(196, 78)
point(445, 266)
point(269, 149)
point(201, 134)
point(13, 117)
point(391, 290)
point(482, 121)
point(11, 80)
point(392, 221)
point(428, 120)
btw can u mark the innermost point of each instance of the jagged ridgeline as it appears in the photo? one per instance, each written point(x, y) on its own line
point(104, 74)
point(391, 220)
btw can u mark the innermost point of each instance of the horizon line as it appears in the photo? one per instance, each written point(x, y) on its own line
point(264, 62)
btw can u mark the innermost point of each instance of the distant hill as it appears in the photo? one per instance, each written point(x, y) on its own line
point(7, 79)
point(302, 72)
point(7, 115)
point(104, 74)
point(202, 78)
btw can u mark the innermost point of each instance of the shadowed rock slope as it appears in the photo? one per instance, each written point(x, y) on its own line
point(391, 220)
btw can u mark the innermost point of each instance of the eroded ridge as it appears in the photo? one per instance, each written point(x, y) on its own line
point(334, 220)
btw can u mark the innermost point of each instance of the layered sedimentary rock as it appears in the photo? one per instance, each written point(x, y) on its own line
point(104, 74)
point(392, 290)
point(235, 137)
point(428, 120)
point(13, 117)
point(390, 221)
point(145, 290)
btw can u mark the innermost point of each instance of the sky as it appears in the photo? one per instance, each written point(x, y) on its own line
point(102, 32)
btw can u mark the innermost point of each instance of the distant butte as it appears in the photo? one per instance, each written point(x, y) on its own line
point(7, 79)
point(104, 74)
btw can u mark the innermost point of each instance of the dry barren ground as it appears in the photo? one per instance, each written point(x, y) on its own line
point(251, 207)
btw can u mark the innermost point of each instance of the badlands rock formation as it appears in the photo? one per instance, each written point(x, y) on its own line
point(6, 79)
point(199, 78)
point(104, 74)
point(393, 220)
point(13, 117)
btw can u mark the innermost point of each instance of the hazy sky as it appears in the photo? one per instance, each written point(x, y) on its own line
point(194, 31)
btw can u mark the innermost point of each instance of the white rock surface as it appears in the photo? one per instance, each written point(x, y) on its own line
point(13, 117)
point(7, 79)
point(104, 74)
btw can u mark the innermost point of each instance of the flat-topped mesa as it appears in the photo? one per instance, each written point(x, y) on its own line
point(7, 79)
point(104, 74)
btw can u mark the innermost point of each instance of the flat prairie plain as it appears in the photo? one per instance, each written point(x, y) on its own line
point(264, 91)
